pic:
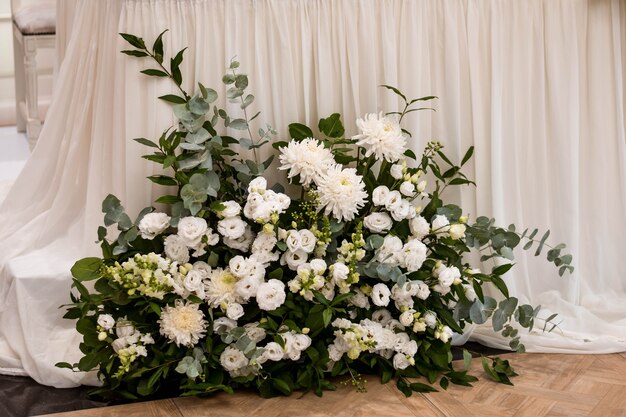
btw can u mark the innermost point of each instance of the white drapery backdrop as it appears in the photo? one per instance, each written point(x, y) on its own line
point(537, 86)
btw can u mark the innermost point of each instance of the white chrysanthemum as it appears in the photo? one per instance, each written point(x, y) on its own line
point(220, 288)
point(153, 224)
point(381, 136)
point(341, 192)
point(183, 324)
point(309, 159)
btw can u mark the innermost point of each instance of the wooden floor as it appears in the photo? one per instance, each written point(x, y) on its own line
point(548, 385)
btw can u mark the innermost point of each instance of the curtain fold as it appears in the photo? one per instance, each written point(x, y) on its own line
point(537, 86)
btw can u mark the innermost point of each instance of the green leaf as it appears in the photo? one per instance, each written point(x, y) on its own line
point(299, 131)
point(146, 142)
point(502, 269)
point(332, 126)
point(239, 124)
point(157, 47)
point(282, 386)
point(87, 269)
point(395, 90)
point(327, 316)
point(419, 387)
point(133, 40)
point(467, 359)
point(541, 242)
point(154, 73)
point(168, 199)
point(162, 180)
point(467, 155)
point(139, 54)
point(171, 98)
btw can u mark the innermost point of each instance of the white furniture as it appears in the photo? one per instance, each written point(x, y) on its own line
point(34, 27)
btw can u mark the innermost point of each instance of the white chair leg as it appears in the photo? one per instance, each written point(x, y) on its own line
point(33, 123)
point(20, 95)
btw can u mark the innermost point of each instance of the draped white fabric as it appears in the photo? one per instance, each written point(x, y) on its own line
point(536, 85)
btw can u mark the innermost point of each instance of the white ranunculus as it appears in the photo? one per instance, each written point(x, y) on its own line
point(407, 188)
point(191, 229)
point(106, 321)
point(231, 227)
point(414, 255)
point(231, 209)
point(378, 222)
point(274, 352)
point(257, 185)
point(234, 311)
point(270, 295)
point(400, 361)
point(457, 231)
point(307, 240)
point(419, 227)
point(232, 359)
point(393, 200)
point(406, 318)
point(380, 295)
point(379, 195)
point(402, 211)
point(153, 224)
point(294, 240)
point(440, 224)
point(396, 171)
point(176, 249)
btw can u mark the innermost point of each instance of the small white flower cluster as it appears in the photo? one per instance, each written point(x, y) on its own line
point(150, 275)
point(130, 343)
point(300, 243)
point(263, 205)
point(392, 201)
point(411, 186)
point(441, 226)
point(374, 337)
point(410, 255)
point(446, 277)
point(309, 278)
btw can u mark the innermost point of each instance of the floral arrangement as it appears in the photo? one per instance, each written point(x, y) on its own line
point(237, 284)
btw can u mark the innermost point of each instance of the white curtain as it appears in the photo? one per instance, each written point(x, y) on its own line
point(537, 86)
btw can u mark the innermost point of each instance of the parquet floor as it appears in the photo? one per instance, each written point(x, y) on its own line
point(554, 385)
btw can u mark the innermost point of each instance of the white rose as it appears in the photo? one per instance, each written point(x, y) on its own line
point(457, 231)
point(176, 250)
point(106, 321)
point(400, 361)
point(248, 287)
point(239, 266)
point(419, 227)
point(379, 195)
point(318, 266)
point(382, 316)
point(263, 212)
point(408, 348)
point(340, 272)
point(448, 275)
point(203, 268)
point(232, 359)
point(390, 251)
point(440, 224)
point(243, 242)
point(301, 342)
point(257, 185)
point(193, 281)
point(307, 240)
point(212, 238)
point(407, 188)
point(231, 209)
point(124, 328)
point(396, 171)
point(231, 227)
point(153, 224)
point(380, 295)
point(378, 222)
point(234, 311)
point(406, 318)
point(294, 240)
point(393, 200)
point(254, 332)
point(270, 295)
point(414, 255)
point(334, 353)
point(360, 300)
point(401, 211)
point(274, 352)
point(191, 229)
point(422, 290)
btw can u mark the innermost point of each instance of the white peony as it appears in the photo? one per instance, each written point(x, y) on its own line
point(106, 321)
point(183, 323)
point(407, 188)
point(381, 136)
point(308, 158)
point(341, 192)
point(153, 224)
point(176, 249)
point(234, 311)
point(231, 227)
point(270, 295)
point(414, 255)
point(419, 227)
point(378, 222)
point(233, 359)
point(380, 295)
point(191, 229)
point(440, 224)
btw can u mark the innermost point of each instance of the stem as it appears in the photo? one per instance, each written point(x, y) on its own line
point(169, 75)
point(245, 115)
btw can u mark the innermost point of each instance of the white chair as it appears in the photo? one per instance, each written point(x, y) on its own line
point(34, 26)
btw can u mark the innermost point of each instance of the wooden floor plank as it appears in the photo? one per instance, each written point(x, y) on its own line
point(549, 385)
